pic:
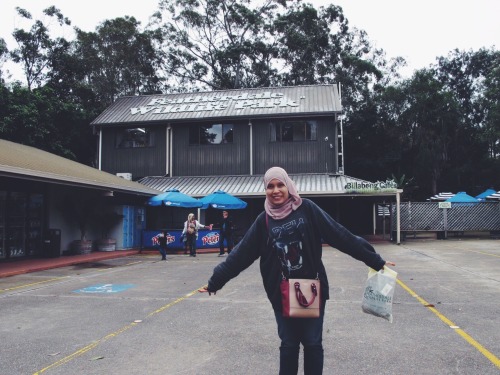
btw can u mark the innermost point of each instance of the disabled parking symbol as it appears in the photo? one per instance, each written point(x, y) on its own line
point(105, 288)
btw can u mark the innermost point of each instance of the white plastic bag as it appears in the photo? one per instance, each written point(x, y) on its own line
point(379, 293)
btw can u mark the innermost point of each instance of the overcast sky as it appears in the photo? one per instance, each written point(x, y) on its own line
point(419, 31)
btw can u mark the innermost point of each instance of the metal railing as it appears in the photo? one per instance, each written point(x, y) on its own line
point(427, 216)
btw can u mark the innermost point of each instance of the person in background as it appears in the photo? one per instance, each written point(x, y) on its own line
point(162, 240)
point(288, 238)
point(191, 227)
point(226, 233)
point(184, 242)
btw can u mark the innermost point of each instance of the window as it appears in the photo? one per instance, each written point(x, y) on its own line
point(293, 131)
point(210, 134)
point(131, 138)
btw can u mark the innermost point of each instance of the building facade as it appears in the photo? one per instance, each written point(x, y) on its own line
point(226, 140)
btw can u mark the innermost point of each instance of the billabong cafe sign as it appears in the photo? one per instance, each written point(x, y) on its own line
point(388, 186)
point(208, 103)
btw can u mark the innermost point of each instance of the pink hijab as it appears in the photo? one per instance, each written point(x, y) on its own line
point(293, 202)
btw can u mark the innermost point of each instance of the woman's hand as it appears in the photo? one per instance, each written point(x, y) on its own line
point(205, 290)
point(390, 264)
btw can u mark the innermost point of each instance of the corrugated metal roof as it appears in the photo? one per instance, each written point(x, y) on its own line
point(246, 103)
point(22, 161)
point(310, 184)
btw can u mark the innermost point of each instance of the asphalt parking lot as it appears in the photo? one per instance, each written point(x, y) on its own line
point(138, 315)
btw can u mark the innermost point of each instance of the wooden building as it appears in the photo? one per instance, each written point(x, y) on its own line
point(226, 140)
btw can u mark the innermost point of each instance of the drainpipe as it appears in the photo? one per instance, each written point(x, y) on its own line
point(168, 151)
point(340, 160)
point(251, 146)
point(100, 148)
point(398, 218)
point(374, 218)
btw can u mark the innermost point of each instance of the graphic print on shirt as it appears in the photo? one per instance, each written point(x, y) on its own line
point(287, 241)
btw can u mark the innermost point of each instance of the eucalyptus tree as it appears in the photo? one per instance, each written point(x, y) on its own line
point(472, 77)
point(319, 46)
point(3, 57)
point(376, 143)
point(218, 44)
point(36, 45)
point(223, 44)
point(431, 119)
point(119, 59)
point(491, 103)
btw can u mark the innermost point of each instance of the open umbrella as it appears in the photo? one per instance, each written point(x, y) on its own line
point(223, 201)
point(484, 194)
point(174, 198)
point(462, 197)
point(442, 196)
point(494, 196)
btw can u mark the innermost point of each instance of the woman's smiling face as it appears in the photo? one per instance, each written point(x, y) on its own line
point(277, 192)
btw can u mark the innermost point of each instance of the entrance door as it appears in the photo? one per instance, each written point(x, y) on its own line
point(128, 227)
point(20, 224)
point(15, 225)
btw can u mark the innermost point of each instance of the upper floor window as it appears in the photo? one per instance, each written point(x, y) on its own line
point(131, 138)
point(293, 131)
point(210, 134)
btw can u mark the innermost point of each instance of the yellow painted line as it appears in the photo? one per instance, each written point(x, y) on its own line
point(173, 303)
point(85, 349)
point(493, 359)
point(31, 284)
point(91, 346)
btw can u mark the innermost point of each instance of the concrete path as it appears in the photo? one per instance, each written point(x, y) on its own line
point(138, 315)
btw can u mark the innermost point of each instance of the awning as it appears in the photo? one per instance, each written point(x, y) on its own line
point(308, 184)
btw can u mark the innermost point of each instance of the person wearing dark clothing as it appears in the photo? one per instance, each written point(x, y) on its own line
point(287, 238)
point(226, 233)
point(162, 241)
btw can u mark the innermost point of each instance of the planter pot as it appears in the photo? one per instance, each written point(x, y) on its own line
point(81, 247)
point(106, 244)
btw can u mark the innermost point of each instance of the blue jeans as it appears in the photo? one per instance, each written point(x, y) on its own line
point(163, 252)
point(293, 332)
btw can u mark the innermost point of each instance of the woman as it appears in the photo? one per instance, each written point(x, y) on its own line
point(190, 231)
point(287, 237)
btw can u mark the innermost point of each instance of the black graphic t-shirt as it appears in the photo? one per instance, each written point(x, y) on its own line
point(286, 238)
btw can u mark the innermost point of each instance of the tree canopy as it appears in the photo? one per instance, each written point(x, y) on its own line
point(438, 130)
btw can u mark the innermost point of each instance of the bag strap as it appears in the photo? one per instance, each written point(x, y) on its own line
point(301, 299)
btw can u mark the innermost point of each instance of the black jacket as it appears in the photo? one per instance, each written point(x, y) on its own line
point(229, 225)
point(319, 227)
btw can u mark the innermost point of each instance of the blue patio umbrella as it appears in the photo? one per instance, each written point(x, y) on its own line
point(223, 201)
point(174, 198)
point(462, 197)
point(441, 196)
point(494, 195)
point(485, 194)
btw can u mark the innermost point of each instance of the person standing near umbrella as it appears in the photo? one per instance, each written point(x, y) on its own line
point(162, 241)
point(191, 227)
point(226, 233)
